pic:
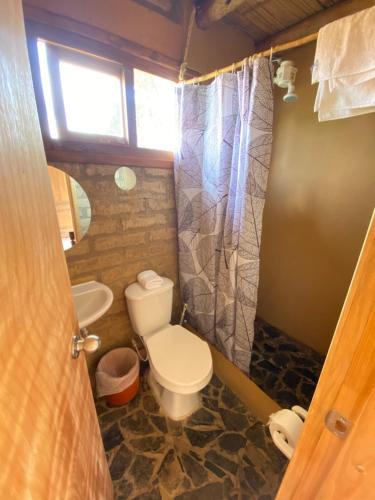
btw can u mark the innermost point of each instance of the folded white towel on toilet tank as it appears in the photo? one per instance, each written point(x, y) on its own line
point(149, 279)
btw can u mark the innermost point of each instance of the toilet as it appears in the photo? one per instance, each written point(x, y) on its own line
point(180, 362)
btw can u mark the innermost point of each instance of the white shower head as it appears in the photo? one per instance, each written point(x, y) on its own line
point(285, 78)
point(290, 96)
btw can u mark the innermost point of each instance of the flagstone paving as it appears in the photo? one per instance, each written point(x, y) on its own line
point(221, 452)
point(282, 367)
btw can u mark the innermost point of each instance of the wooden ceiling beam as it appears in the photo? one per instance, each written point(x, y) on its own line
point(211, 11)
point(313, 23)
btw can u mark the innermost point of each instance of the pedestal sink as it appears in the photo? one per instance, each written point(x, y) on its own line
point(92, 300)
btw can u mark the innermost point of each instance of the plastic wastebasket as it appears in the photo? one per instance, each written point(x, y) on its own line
point(117, 376)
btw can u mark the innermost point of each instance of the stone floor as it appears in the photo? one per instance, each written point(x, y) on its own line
point(220, 452)
point(285, 369)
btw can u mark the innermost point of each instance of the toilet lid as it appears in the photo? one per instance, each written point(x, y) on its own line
point(179, 357)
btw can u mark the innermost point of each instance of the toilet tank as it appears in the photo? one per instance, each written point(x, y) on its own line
point(149, 310)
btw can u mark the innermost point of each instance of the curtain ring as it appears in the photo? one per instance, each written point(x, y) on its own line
point(233, 68)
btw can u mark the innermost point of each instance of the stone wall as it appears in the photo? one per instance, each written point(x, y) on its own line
point(129, 232)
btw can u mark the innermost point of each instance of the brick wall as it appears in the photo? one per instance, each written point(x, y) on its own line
point(129, 232)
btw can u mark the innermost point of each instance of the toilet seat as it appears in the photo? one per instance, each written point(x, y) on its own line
point(181, 362)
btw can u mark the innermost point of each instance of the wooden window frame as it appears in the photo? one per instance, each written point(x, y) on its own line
point(85, 148)
point(57, 53)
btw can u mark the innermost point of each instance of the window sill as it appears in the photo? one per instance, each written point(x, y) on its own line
point(106, 154)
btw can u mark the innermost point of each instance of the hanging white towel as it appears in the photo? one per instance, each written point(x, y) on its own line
point(346, 47)
point(344, 102)
point(344, 67)
point(149, 280)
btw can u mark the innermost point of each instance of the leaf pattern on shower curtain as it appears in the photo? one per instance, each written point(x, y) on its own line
point(221, 171)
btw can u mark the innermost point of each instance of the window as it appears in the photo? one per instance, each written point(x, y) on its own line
point(155, 112)
point(92, 100)
point(88, 98)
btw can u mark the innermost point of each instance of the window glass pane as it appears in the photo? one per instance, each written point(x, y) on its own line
point(155, 111)
point(92, 100)
point(46, 86)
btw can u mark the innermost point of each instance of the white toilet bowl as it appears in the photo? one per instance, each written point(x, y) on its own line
point(180, 366)
point(180, 362)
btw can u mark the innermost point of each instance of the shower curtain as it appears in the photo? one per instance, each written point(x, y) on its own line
point(221, 169)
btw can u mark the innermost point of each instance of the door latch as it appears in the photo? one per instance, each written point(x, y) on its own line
point(88, 343)
point(338, 424)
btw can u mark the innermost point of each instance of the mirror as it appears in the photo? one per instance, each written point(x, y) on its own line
point(72, 207)
point(125, 178)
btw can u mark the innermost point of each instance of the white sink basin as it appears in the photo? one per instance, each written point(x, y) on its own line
point(92, 300)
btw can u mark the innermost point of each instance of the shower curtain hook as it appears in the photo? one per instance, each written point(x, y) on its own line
point(233, 68)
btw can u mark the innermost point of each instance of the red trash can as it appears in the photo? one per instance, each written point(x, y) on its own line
point(117, 376)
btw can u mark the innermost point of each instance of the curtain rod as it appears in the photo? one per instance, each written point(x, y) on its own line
point(272, 50)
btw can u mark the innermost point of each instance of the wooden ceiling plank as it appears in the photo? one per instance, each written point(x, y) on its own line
point(250, 29)
point(263, 18)
point(286, 14)
point(300, 8)
point(270, 16)
point(211, 11)
point(259, 19)
point(274, 17)
point(315, 22)
point(250, 5)
point(328, 3)
point(257, 23)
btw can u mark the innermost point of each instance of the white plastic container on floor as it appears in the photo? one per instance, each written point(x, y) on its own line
point(117, 376)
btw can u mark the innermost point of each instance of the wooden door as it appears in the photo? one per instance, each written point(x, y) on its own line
point(324, 465)
point(50, 445)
